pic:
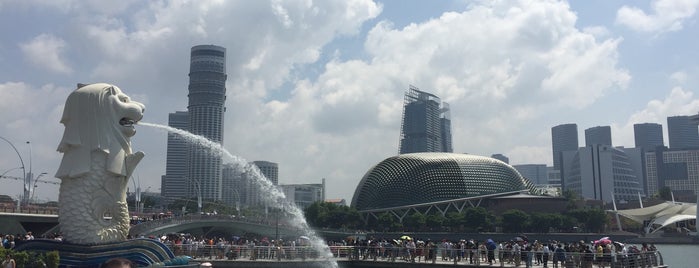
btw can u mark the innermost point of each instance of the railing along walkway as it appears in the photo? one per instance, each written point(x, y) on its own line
point(441, 256)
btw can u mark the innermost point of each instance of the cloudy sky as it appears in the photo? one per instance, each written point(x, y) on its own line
point(317, 86)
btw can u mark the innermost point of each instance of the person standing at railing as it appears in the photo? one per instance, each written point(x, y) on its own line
point(587, 257)
point(546, 252)
point(559, 255)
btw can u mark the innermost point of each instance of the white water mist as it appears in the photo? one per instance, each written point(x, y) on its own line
point(274, 196)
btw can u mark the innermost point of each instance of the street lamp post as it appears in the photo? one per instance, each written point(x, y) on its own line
point(34, 186)
point(28, 190)
point(8, 171)
point(199, 203)
point(24, 171)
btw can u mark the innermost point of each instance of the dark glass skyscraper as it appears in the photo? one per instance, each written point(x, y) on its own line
point(426, 126)
point(563, 138)
point(682, 132)
point(648, 136)
point(600, 135)
point(207, 97)
point(173, 183)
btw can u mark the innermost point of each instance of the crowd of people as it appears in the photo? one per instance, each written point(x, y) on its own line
point(517, 252)
point(236, 247)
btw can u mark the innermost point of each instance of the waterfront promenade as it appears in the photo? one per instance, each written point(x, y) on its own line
point(347, 256)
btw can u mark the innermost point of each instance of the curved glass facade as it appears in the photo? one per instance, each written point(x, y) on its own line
point(207, 97)
point(418, 178)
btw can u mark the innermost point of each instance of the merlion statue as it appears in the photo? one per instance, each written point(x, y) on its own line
point(97, 163)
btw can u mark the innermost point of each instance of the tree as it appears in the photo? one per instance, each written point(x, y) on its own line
point(665, 193)
point(456, 221)
point(572, 198)
point(514, 221)
point(386, 221)
point(316, 214)
point(477, 219)
point(435, 221)
point(415, 221)
point(593, 220)
point(330, 215)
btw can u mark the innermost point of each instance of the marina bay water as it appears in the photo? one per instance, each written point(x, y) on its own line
point(272, 195)
point(679, 256)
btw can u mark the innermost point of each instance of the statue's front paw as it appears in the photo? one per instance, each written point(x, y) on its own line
point(131, 162)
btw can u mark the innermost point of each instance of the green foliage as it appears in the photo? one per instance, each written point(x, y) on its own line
point(435, 221)
point(665, 193)
point(32, 259)
point(572, 198)
point(591, 219)
point(21, 258)
point(456, 221)
point(478, 219)
point(385, 221)
point(515, 221)
point(52, 259)
point(415, 221)
point(323, 214)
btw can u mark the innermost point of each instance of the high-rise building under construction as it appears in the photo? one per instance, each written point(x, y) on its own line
point(426, 125)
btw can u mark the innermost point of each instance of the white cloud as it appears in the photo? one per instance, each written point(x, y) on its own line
point(679, 77)
point(506, 68)
point(598, 31)
point(496, 73)
point(666, 16)
point(679, 101)
point(31, 114)
point(45, 51)
point(530, 155)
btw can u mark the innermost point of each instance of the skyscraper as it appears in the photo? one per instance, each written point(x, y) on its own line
point(207, 96)
point(501, 157)
point(563, 138)
point(173, 183)
point(682, 132)
point(252, 191)
point(600, 135)
point(648, 136)
point(426, 126)
point(535, 173)
point(232, 189)
point(603, 172)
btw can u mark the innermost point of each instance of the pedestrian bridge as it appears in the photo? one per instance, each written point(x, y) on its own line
point(209, 225)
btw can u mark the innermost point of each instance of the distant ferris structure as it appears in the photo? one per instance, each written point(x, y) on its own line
point(426, 123)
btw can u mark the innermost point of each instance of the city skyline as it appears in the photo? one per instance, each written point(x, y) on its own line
point(318, 88)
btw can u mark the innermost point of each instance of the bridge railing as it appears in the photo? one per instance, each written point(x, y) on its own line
point(28, 209)
point(402, 254)
point(145, 226)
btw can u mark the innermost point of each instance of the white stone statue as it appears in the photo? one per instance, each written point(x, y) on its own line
point(97, 163)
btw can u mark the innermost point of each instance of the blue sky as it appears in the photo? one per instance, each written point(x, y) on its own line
point(316, 86)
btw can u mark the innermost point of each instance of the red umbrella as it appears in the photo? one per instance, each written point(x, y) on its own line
point(603, 241)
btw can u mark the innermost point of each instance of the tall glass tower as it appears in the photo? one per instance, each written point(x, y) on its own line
point(426, 126)
point(173, 183)
point(600, 135)
point(682, 132)
point(563, 138)
point(207, 97)
point(648, 136)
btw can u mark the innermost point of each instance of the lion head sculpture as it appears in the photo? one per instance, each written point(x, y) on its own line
point(97, 117)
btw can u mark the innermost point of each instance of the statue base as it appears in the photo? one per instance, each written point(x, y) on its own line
point(142, 251)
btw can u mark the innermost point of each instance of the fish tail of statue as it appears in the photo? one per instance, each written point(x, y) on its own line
point(93, 208)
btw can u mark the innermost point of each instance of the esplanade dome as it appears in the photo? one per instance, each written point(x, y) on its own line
point(419, 178)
